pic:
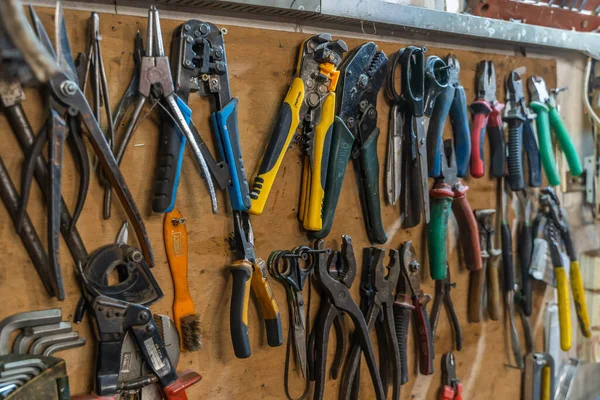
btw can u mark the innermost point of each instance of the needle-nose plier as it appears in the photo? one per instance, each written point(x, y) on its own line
point(442, 296)
point(487, 112)
point(548, 118)
point(337, 291)
point(379, 315)
point(451, 386)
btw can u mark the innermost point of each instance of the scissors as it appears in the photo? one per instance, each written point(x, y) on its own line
point(293, 268)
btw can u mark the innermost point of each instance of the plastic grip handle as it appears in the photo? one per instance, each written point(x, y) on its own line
point(460, 127)
point(241, 272)
point(447, 393)
point(564, 139)
point(341, 148)
point(564, 308)
point(467, 226)
point(435, 131)
point(497, 143)
point(424, 339)
point(320, 148)
point(225, 124)
point(285, 127)
point(515, 178)
point(368, 168)
point(171, 149)
point(579, 298)
point(268, 306)
point(436, 237)
point(481, 111)
point(402, 315)
point(542, 123)
point(525, 250)
point(533, 155)
point(507, 258)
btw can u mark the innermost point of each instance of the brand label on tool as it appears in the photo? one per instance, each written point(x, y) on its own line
point(126, 364)
point(155, 357)
point(177, 239)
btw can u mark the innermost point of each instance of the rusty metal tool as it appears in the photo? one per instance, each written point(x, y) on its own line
point(442, 296)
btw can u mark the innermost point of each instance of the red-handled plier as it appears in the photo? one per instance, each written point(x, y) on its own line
point(451, 387)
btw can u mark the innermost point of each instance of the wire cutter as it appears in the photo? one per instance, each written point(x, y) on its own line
point(451, 101)
point(451, 386)
point(520, 133)
point(58, 74)
point(248, 272)
point(487, 112)
point(548, 118)
point(310, 105)
point(337, 290)
point(442, 295)
point(199, 64)
point(382, 281)
point(449, 192)
point(155, 80)
point(409, 297)
point(553, 222)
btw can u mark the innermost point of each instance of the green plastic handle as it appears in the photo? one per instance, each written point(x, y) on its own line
point(436, 237)
point(566, 144)
point(542, 123)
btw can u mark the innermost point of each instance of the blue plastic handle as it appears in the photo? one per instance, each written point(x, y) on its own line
point(459, 118)
point(435, 132)
point(178, 142)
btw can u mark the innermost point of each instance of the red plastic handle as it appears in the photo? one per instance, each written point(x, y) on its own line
point(447, 393)
point(423, 338)
point(458, 394)
point(467, 226)
point(176, 390)
point(477, 131)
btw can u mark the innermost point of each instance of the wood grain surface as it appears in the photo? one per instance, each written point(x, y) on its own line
point(261, 65)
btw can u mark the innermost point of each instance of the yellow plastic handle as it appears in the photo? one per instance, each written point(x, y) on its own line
point(564, 308)
point(175, 237)
point(546, 382)
point(579, 299)
point(285, 127)
point(313, 217)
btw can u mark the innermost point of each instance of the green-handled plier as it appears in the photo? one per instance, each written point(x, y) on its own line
point(548, 118)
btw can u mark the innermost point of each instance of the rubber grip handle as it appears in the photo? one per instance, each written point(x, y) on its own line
point(476, 282)
point(579, 298)
point(436, 235)
point(225, 124)
point(515, 178)
point(493, 288)
point(525, 250)
point(497, 143)
point(267, 304)
point(339, 155)
point(564, 308)
point(533, 155)
point(424, 339)
point(467, 226)
point(542, 123)
point(241, 272)
point(402, 315)
point(320, 147)
point(435, 131)
point(459, 390)
point(564, 139)
point(285, 127)
point(481, 110)
point(171, 149)
point(459, 120)
point(447, 393)
point(368, 172)
point(507, 258)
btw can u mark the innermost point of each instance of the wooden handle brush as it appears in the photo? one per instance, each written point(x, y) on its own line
point(186, 319)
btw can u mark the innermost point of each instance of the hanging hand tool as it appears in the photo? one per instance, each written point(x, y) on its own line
point(337, 290)
point(94, 70)
point(525, 252)
point(155, 80)
point(538, 377)
point(520, 133)
point(293, 269)
point(558, 233)
point(247, 272)
point(361, 77)
point(184, 313)
point(508, 273)
point(487, 112)
point(384, 280)
point(487, 278)
point(452, 388)
point(451, 101)
point(548, 118)
point(442, 295)
point(310, 105)
point(199, 64)
point(409, 297)
point(436, 81)
point(66, 93)
point(411, 103)
point(449, 192)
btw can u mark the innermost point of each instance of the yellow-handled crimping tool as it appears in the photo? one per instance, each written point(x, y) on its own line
point(309, 106)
